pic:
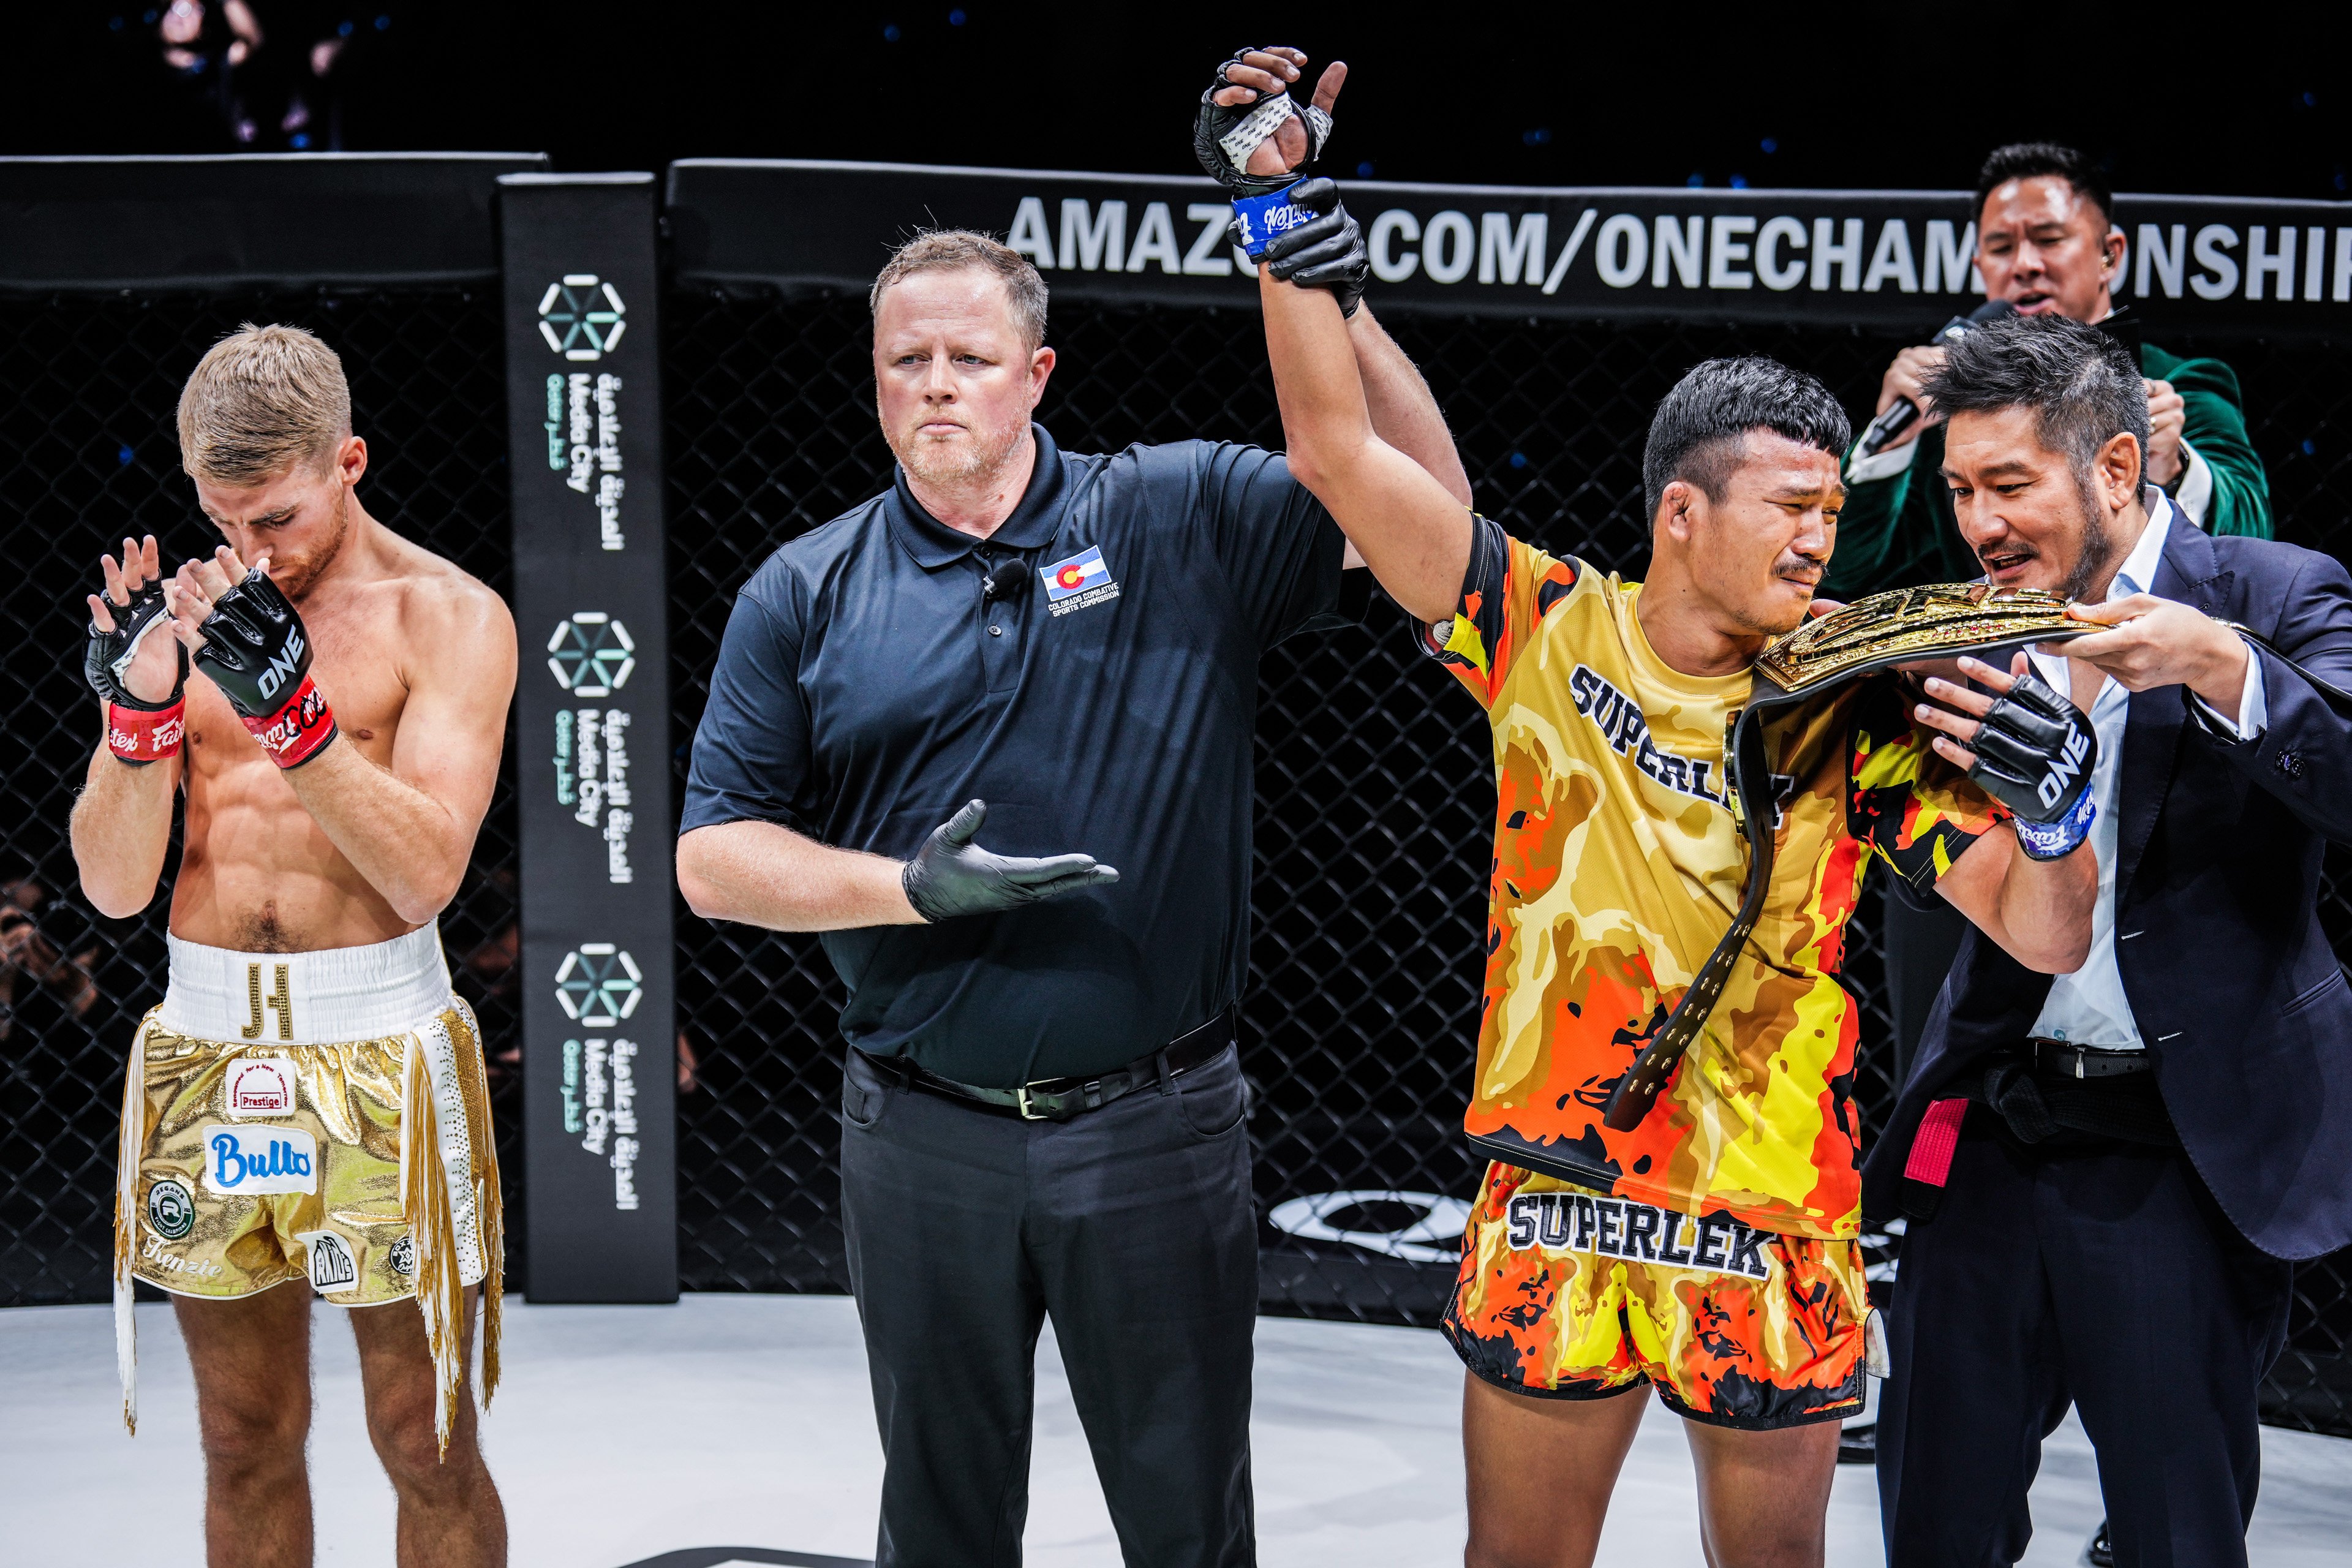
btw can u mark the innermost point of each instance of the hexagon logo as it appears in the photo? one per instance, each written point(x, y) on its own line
point(592, 654)
point(582, 318)
point(598, 984)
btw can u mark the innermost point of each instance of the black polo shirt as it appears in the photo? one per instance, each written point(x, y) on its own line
point(865, 690)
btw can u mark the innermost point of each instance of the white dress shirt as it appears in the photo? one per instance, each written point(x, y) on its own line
point(2088, 1008)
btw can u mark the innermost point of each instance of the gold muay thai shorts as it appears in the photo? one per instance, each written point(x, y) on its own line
point(322, 1117)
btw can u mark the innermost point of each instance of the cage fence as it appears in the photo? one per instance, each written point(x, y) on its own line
point(1373, 781)
point(89, 455)
point(1374, 790)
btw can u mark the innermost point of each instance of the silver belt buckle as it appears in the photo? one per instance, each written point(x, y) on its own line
point(1021, 1096)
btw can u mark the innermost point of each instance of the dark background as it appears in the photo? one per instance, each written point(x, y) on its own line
point(2235, 103)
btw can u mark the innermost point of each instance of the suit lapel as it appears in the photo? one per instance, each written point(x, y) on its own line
point(2152, 730)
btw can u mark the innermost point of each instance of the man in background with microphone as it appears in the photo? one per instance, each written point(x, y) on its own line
point(2047, 244)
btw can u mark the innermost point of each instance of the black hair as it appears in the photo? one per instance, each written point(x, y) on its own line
point(2025, 160)
point(1700, 429)
point(2082, 384)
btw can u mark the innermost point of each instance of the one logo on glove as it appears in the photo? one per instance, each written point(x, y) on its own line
point(284, 665)
point(2064, 769)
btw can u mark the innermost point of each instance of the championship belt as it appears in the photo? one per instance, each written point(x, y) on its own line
point(1866, 637)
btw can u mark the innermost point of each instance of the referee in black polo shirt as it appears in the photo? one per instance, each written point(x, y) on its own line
point(1042, 1111)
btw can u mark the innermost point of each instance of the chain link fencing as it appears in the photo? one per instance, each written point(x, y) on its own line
point(1374, 776)
point(89, 387)
point(1374, 780)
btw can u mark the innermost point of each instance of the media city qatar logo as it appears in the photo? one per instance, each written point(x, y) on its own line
point(598, 984)
point(582, 318)
point(592, 654)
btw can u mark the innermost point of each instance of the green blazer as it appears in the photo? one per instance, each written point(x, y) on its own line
point(1897, 530)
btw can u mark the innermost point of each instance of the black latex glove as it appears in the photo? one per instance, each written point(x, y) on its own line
point(1325, 253)
point(951, 876)
point(2035, 752)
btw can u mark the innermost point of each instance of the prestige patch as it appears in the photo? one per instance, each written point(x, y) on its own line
point(1639, 1233)
point(261, 1086)
point(171, 1208)
point(332, 1268)
point(1082, 581)
point(242, 1160)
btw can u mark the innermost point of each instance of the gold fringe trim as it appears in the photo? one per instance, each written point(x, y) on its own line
point(130, 1147)
point(432, 1229)
point(490, 1203)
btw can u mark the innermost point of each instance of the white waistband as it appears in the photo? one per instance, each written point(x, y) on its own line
point(338, 993)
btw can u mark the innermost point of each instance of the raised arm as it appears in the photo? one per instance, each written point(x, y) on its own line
point(1410, 531)
point(1403, 410)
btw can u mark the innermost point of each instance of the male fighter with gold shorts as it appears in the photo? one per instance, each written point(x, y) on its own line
point(306, 1107)
point(1690, 1227)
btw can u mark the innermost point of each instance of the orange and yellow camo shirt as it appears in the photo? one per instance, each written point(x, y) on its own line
point(1617, 869)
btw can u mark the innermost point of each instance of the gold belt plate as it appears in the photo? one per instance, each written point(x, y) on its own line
point(1937, 621)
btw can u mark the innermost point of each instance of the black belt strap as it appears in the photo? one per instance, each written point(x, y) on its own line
point(1751, 793)
point(1060, 1099)
point(2064, 1060)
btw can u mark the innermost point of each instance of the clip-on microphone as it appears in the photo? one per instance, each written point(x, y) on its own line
point(1005, 582)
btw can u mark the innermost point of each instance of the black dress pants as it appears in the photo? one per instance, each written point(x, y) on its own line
point(1132, 1226)
point(2102, 1276)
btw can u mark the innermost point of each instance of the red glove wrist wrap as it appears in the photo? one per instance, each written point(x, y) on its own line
point(139, 736)
point(299, 731)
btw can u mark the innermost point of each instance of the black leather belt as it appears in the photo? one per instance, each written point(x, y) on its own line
point(1060, 1099)
point(2085, 1061)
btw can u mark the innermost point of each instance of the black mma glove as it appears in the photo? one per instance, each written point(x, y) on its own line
point(137, 733)
point(1326, 253)
point(2035, 755)
point(1225, 135)
point(258, 653)
point(951, 876)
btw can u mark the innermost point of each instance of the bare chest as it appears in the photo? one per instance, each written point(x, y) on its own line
point(358, 664)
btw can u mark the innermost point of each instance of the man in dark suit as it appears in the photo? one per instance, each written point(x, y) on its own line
point(2108, 1174)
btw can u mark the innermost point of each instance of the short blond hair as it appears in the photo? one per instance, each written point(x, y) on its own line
point(942, 249)
point(261, 398)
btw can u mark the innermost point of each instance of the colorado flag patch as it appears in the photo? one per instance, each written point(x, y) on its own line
point(1079, 582)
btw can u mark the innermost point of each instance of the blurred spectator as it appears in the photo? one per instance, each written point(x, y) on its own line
point(31, 958)
point(268, 68)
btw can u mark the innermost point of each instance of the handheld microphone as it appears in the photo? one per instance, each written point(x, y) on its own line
point(1005, 582)
point(1899, 417)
